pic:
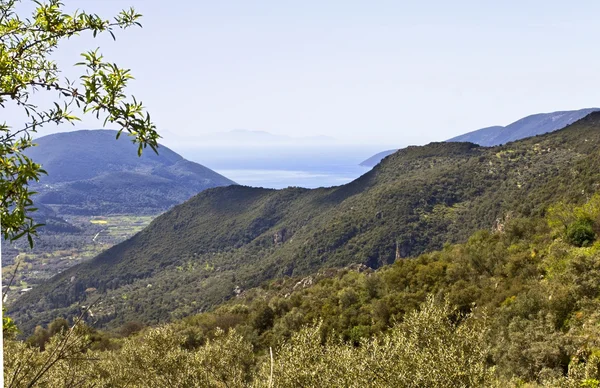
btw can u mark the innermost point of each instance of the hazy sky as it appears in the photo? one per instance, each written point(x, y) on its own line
point(385, 72)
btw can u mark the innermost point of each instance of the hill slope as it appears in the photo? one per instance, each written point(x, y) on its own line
point(89, 172)
point(204, 251)
point(533, 125)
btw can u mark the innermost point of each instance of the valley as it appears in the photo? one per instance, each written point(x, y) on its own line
point(96, 193)
point(56, 252)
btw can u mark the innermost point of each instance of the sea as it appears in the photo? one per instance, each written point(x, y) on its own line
point(279, 179)
point(281, 167)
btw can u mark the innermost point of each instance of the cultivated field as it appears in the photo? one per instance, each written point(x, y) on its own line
point(23, 268)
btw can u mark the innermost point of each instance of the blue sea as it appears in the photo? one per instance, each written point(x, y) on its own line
point(282, 167)
point(279, 179)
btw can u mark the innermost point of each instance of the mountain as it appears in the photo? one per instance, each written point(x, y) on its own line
point(533, 125)
point(373, 160)
point(528, 126)
point(486, 136)
point(227, 239)
point(89, 172)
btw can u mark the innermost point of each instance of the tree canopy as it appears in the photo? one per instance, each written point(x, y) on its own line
point(27, 69)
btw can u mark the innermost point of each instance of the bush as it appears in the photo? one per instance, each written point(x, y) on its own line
point(426, 350)
point(581, 232)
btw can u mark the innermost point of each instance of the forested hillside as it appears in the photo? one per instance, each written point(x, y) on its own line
point(90, 173)
point(226, 240)
point(92, 179)
point(516, 306)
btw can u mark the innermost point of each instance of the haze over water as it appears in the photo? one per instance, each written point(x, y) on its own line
point(280, 167)
point(279, 179)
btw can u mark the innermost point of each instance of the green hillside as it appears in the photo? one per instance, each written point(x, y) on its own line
point(90, 173)
point(226, 240)
point(514, 307)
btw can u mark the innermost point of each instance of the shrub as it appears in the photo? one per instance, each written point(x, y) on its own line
point(581, 232)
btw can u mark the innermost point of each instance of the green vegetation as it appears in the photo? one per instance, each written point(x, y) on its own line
point(27, 44)
point(9, 329)
point(225, 240)
point(517, 307)
point(532, 294)
point(581, 232)
point(446, 265)
point(427, 349)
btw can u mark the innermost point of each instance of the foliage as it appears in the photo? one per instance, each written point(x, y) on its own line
point(432, 346)
point(64, 360)
point(581, 232)
point(539, 292)
point(426, 350)
point(157, 359)
point(577, 222)
point(9, 329)
point(525, 312)
point(26, 45)
point(524, 300)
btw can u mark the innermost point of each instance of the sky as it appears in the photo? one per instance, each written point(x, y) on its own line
point(364, 72)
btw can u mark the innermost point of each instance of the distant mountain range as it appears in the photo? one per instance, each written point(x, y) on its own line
point(375, 159)
point(526, 127)
point(533, 125)
point(89, 172)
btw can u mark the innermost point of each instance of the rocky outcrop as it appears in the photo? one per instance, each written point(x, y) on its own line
point(279, 237)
